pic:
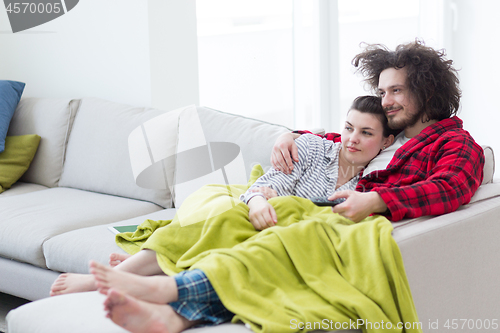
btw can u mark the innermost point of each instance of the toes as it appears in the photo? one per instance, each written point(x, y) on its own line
point(103, 291)
point(58, 285)
point(115, 298)
point(113, 261)
point(99, 276)
point(102, 288)
point(117, 258)
point(98, 269)
point(95, 264)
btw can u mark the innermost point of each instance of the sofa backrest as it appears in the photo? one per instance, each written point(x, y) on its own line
point(252, 139)
point(97, 156)
point(52, 120)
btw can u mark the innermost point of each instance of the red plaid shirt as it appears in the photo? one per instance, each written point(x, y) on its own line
point(432, 174)
point(335, 137)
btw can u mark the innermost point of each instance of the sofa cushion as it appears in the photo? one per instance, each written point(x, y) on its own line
point(25, 280)
point(253, 138)
point(72, 251)
point(97, 157)
point(21, 188)
point(10, 94)
point(51, 119)
point(489, 165)
point(63, 314)
point(53, 315)
point(16, 158)
point(29, 220)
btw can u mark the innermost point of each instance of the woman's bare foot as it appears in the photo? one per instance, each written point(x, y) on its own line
point(155, 289)
point(68, 283)
point(137, 316)
point(117, 258)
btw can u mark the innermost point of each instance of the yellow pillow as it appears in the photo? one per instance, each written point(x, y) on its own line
point(16, 158)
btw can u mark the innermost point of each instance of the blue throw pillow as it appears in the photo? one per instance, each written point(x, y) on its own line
point(10, 94)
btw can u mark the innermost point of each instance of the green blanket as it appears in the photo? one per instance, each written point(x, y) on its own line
point(223, 223)
point(322, 273)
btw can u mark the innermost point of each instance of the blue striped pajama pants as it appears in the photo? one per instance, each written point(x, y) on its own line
point(198, 299)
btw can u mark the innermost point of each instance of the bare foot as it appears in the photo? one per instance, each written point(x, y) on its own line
point(68, 283)
point(155, 289)
point(137, 316)
point(117, 258)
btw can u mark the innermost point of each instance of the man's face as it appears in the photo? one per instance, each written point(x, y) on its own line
point(398, 103)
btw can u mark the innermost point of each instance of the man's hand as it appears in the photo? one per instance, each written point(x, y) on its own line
point(266, 191)
point(358, 205)
point(262, 214)
point(282, 149)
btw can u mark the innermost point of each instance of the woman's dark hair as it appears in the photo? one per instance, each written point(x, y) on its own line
point(432, 80)
point(372, 105)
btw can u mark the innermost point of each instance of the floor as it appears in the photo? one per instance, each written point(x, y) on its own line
point(7, 303)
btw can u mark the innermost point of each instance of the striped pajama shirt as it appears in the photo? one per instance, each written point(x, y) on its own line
point(314, 175)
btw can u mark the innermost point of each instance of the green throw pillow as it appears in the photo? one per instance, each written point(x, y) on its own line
point(16, 158)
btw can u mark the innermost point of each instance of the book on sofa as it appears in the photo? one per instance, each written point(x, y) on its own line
point(123, 228)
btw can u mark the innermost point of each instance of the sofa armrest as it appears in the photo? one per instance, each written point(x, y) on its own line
point(452, 263)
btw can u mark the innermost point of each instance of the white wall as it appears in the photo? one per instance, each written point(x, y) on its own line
point(476, 52)
point(173, 53)
point(120, 50)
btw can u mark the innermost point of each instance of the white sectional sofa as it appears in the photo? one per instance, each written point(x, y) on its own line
point(84, 179)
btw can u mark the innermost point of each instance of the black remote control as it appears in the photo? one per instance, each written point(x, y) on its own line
point(323, 201)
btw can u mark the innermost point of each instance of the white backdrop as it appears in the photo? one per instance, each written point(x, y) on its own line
point(144, 53)
point(104, 48)
point(476, 52)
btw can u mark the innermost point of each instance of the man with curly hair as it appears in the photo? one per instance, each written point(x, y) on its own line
point(434, 166)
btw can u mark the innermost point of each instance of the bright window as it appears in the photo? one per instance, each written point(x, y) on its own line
point(388, 22)
point(276, 60)
point(245, 58)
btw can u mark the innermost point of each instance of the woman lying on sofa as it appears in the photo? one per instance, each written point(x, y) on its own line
point(323, 168)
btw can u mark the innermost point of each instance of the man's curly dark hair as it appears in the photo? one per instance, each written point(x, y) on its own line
point(431, 77)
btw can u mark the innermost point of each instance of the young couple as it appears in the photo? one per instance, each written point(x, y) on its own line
point(324, 167)
point(438, 169)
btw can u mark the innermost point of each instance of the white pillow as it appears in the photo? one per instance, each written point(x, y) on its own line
point(98, 158)
point(51, 119)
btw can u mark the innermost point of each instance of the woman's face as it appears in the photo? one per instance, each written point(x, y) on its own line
point(362, 138)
